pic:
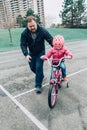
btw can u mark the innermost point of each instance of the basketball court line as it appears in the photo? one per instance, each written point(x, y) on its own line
point(28, 91)
point(48, 83)
point(6, 61)
point(77, 72)
point(24, 110)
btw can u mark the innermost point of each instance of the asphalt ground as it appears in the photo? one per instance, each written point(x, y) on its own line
point(22, 109)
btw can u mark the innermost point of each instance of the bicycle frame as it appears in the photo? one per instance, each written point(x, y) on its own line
point(55, 81)
point(56, 73)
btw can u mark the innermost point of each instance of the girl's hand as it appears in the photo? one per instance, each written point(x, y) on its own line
point(68, 57)
point(44, 57)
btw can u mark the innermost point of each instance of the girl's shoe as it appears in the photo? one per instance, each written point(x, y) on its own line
point(65, 79)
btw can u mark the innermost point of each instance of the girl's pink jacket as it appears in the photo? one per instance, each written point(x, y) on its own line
point(58, 54)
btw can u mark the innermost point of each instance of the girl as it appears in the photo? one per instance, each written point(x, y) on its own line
point(58, 51)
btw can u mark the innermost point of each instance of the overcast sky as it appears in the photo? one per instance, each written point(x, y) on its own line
point(52, 9)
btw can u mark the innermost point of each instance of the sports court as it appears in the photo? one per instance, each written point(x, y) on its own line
point(22, 109)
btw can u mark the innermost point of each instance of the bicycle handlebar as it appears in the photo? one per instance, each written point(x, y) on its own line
point(57, 61)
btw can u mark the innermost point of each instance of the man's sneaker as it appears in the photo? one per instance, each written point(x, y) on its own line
point(65, 79)
point(38, 90)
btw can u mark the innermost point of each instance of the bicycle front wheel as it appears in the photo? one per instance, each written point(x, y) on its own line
point(52, 95)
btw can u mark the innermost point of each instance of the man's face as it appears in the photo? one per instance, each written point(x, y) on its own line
point(32, 26)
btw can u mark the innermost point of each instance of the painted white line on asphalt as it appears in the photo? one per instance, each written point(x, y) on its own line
point(76, 72)
point(24, 110)
point(12, 51)
point(24, 93)
point(48, 83)
point(28, 91)
point(2, 62)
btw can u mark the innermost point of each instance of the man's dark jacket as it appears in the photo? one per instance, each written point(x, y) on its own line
point(29, 45)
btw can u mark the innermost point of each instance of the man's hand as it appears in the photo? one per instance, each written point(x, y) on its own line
point(28, 58)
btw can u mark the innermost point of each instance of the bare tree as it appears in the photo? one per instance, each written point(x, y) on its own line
point(7, 21)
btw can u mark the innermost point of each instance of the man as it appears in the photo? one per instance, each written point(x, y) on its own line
point(33, 47)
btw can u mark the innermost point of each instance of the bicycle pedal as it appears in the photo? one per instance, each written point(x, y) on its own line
point(59, 86)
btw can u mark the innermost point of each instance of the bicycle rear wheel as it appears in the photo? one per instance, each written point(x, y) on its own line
point(52, 95)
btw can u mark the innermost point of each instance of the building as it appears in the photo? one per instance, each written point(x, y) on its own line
point(3, 18)
point(10, 9)
point(39, 9)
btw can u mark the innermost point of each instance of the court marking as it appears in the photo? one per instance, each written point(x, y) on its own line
point(6, 61)
point(28, 91)
point(48, 83)
point(24, 110)
point(77, 72)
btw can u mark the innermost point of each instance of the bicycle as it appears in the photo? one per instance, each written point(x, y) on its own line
point(55, 82)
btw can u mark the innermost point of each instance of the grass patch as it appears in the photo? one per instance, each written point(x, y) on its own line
point(69, 35)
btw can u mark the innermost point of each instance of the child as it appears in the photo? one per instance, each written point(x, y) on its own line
point(58, 51)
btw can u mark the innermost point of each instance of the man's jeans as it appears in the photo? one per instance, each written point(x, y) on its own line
point(36, 65)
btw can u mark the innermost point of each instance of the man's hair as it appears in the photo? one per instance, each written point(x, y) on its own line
point(30, 18)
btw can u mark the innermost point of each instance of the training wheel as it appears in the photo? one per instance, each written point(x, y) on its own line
point(67, 85)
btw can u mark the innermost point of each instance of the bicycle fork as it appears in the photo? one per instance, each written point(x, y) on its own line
point(55, 83)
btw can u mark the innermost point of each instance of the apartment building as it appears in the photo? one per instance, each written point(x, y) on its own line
point(10, 9)
point(3, 17)
point(39, 9)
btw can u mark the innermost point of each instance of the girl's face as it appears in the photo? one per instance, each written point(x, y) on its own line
point(57, 45)
point(58, 42)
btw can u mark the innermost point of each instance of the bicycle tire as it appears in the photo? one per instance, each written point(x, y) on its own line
point(52, 95)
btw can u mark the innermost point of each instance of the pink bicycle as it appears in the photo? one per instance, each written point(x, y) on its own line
point(55, 82)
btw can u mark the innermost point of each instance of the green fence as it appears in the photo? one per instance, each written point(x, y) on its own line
point(69, 35)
